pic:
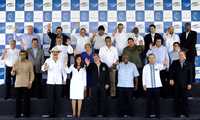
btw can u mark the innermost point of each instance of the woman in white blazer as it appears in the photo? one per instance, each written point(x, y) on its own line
point(77, 84)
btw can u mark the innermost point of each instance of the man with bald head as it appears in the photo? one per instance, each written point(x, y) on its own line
point(169, 38)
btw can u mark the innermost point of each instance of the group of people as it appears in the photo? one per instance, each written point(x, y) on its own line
point(121, 66)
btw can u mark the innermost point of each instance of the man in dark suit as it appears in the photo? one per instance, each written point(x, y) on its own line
point(149, 38)
point(100, 85)
point(58, 33)
point(188, 41)
point(180, 74)
point(36, 56)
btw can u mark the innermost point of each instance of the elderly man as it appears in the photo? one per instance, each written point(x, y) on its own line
point(10, 56)
point(55, 68)
point(169, 38)
point(181, 78)
point(26, 38)
point(152, 83)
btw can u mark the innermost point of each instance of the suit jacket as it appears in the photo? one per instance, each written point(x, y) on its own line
point(53, 36)
point(99, 79)
point(38, 61)
point(189, 44)
point(181, 75)
point(148, 40)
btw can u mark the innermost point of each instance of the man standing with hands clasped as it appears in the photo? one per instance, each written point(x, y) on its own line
point(152, 84)
point(181, 78)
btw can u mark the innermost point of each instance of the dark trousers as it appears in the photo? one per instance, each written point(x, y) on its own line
point(125, 101)
point(9, 82)
point(153, 101)
point(191, 60)
point(53, 96)
point(166, 87)
point(36, 90)
point(181, 101)
point(99, 101)
point(22, 101)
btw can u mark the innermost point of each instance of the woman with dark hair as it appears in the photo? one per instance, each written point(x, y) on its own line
point(77, 84)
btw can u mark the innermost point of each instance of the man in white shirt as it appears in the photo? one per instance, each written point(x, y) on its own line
point(10, 56)
point(79, 40)
point(127, 81)
point(65, 50)
point(98, 39)
point(138, 39)
point(55, 68)
point(169, 38)
point(26, 38)
point(120, 39)
point(152, 84)
point(109, 55)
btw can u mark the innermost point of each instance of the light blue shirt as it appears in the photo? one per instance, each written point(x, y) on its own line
point(173, 56)
point(126, 74)
point(161, 54)
point(27, 40)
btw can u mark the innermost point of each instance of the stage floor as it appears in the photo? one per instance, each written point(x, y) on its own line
point(192, 117)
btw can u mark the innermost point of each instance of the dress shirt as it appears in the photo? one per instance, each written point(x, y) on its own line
point(126, 74)
point(121, 41)
point(11, 57)
point(99, 41)
point(26, 39)
point(79, 41)
point(151, 75)
point(152, 36)
point(137, 38)
point(169, 39)
point(174, 55)
point(108, 55)
point(55, 71)
point(35, 52)
point(161, 54)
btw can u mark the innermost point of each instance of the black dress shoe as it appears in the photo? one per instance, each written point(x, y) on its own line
point(27, 115)
point(147, 116)
point(187, 115)
point(17, 116)
point(157, 116)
